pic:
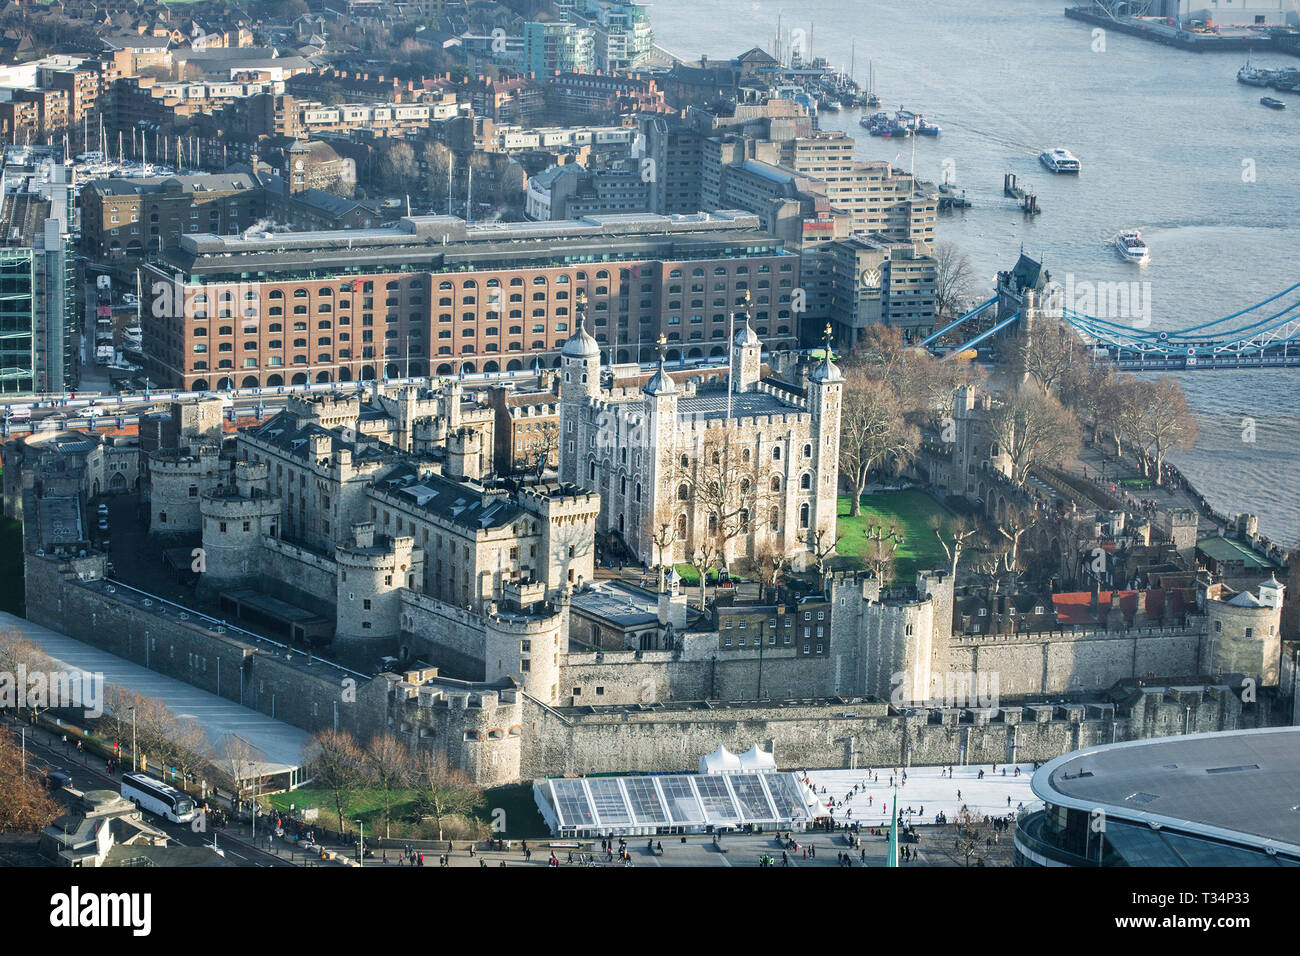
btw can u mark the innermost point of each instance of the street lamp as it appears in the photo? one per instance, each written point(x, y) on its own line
point(361, 844)
point(135, 763)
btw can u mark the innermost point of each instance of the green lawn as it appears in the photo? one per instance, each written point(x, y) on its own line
point(511, 806)
point(913, 512)
point(689, 577)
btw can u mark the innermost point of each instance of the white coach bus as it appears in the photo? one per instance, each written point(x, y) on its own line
point(157, 797)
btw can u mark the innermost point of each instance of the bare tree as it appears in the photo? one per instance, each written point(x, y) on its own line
point(25, 807)
point(337, 766)
point(1051, 355)
point(1167, 422)
point(771, 562)
point(955, 543)
point(17, 652)
point(389, 763)
point(237, 766)
point(723, 486)
point(398, 167)
point(546, 446)
point(438, 161)
point(882, 546)
point(873, 431)
point(954, 278)
point(824, 541)
point(443, 791)
point(1032, 427)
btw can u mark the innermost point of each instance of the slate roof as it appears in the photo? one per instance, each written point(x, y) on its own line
point(283, 432)
point(452, 501)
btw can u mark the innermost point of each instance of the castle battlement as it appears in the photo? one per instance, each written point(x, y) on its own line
point(1075, 635)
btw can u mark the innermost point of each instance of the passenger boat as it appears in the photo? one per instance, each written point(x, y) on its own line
point(1060, 161)
point(1272, 103)
point(1131, 246)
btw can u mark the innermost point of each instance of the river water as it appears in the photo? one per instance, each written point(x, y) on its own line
point(1169, 142)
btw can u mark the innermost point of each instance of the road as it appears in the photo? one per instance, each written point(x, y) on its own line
point(45, 753)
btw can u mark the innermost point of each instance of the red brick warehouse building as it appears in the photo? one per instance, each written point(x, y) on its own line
point(432, 295)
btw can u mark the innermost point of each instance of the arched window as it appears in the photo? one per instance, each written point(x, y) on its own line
point(776, 452)
point(681, 527)
point(805, 481)
point(807, 451)
point(774, 520)
point(776, 483)
point(803, 515)
point(683, 492)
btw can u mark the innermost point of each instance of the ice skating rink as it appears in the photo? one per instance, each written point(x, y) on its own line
point(927, 792)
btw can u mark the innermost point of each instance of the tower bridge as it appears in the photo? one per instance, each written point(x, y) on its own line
point(1263, 335)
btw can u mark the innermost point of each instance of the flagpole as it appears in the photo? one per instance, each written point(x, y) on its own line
point(891, 858)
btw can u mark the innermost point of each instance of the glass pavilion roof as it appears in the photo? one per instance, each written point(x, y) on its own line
point(687, 800)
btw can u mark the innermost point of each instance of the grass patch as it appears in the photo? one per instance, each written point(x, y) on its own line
point(690, 577)
point(913, 511)
point(1138, 484)
point(511, 806)
point(12, 596)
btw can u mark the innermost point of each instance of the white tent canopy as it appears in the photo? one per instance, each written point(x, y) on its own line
point(755, 759)
point(721, 760)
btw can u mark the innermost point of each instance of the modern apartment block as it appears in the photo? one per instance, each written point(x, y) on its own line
point(621, 33)
point(38, 293)
point(433, 295)
point(552, 46)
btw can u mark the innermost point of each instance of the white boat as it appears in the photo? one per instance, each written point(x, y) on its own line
point(1059, 161)
point(1131, 246)
point(1253, 75)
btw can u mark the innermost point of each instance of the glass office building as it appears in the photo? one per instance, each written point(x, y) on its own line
point(1225, 799)
point(38, 310)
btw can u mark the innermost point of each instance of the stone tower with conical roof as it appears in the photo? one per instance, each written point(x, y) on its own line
point(579, 384)
point(825, 399)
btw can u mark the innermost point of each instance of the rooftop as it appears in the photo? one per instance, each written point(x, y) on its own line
point(1240, 786)
point(1225, 550)
point(446, 243)
point(620, 603)
point(713, 404)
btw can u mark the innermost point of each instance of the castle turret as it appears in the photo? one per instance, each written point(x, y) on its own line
point(234, 520)
point(1244, 632)
point(465, 455)
point(746, 356)
point(579, 385)
point(372, 570)
point(825, 394)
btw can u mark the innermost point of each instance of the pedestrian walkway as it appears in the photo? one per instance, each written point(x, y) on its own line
point(277, 746)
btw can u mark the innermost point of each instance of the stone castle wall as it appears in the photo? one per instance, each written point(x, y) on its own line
point(503, 736)
point(1057, 662)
